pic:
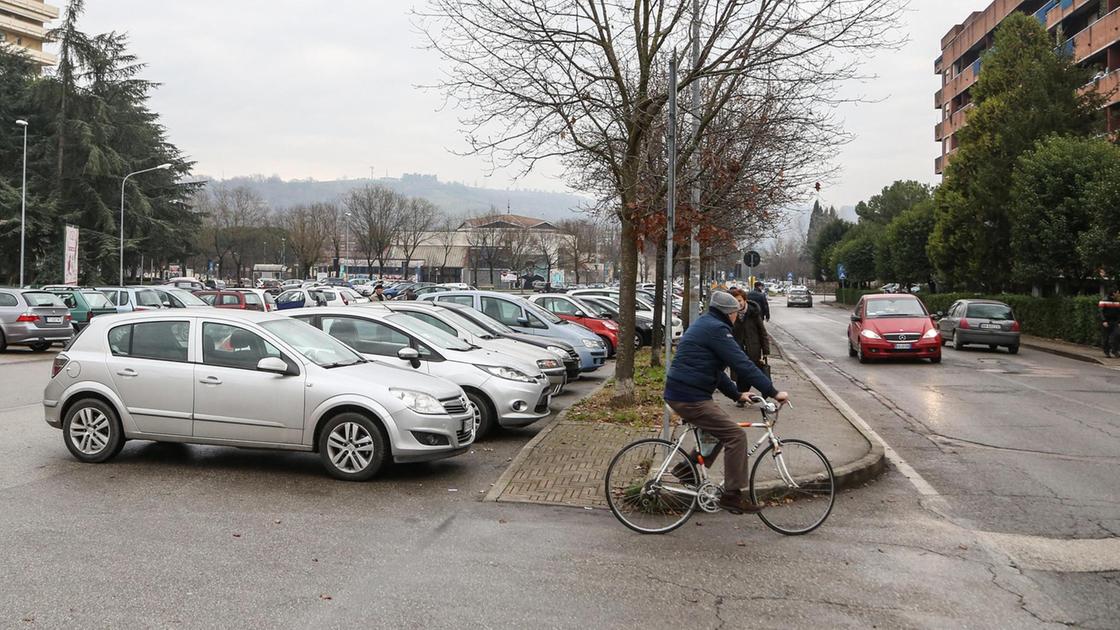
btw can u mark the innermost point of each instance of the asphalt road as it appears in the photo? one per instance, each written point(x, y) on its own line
point(205, 537)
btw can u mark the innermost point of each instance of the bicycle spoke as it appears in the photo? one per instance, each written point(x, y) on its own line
point(796, 486)
point(644, 498)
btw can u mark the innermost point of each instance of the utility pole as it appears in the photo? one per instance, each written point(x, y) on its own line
point(670, 220)
point(23, 203)
point(694, 243)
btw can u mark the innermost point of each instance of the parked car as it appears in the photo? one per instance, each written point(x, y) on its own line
point(643, 315)
point(435, 288)
point(253, 296)
point(496, 328)
point(799, 296)
point(239, 299)
point(201, 377)
point(84, 304)
point(191, 284)
point(350, 296)
point(643, 324)
point(171, 297)
point(885, 325)
point(128, 299)
point(572, 309)
point(981, 322)
point(505, 390)
point(291, 283)
point(643, 296)
point(32, 318)
point(315, 296)
point(455, 324)
point(526, 317)
point(458, 286)
point(892, 287)
point(270, 285)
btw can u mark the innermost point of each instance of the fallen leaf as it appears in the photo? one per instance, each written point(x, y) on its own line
point(740, 544)
point(502, 521)
point(962, 546)
point(452, 489)
point(277, 521)
point(326, 597)
point(237, 535)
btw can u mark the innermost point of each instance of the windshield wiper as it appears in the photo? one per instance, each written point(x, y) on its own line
point(343, 363)
point(897, 315)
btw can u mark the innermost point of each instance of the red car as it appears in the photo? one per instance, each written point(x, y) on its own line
point(891, 325)
point(570, 308)
point(242, 299)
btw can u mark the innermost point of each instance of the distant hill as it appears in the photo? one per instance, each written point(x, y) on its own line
point(454, 198)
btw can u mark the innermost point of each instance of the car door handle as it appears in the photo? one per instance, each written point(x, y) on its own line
point(210, 380)
point(127, 372)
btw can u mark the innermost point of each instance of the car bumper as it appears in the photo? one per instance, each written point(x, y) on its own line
point(882, 349)
point(457, 430)
point(989, 337)
point(52, 413)
point(557, 379)
point(19, 333)
point(799, 302)
point(520, 404)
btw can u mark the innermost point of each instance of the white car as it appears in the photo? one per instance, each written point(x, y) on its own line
point(643, 307)
point(505, 390)
point(457, 286)
point(350, 296)
point(314, 296)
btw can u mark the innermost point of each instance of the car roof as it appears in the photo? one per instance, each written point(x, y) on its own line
point(981, 301)
point(893, 296)
point(210, 313)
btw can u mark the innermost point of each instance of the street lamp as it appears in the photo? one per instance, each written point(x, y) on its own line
point(23, 210)
point(345, 241)
point(161, 167)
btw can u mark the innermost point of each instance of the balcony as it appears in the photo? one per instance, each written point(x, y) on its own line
point(958, 84)
point(938, 164)
point(32, 9)
point(22, 29)
point(1109, 86)
point(1064, 9)
point(1097, 36)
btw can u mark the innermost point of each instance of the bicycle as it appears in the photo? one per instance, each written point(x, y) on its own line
point(653, 486)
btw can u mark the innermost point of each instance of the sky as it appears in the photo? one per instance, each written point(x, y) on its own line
point(328, 90)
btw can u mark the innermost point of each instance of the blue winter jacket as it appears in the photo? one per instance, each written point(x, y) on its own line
point(705, 350)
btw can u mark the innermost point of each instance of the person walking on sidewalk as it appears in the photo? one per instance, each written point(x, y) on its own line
point(750, 333)
point(705, 350)
point(1110, 324)
point(758, 296)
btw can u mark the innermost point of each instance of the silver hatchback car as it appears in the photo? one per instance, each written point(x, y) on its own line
point(32, 318)
point(250, 379)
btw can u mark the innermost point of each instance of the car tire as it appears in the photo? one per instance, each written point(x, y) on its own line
point(936, 359)
point(347, 440)
point(859, 353)
point(638, 342)
point(3, 342)
point(40, 347)
point(993, 347)
point(488, 420)
point(92, 431)
point(608, 344)
point(1013, 349)
point(957, 345)
point(851, 350)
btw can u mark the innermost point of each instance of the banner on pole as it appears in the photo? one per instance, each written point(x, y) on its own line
point(70, 263)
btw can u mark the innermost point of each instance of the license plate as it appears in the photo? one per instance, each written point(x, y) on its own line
point(903, 346)
point(468, 423)
point(54, 320)
point(990, 326)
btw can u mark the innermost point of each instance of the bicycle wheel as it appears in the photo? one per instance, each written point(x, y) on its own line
point(651, 486)
point(797, 487)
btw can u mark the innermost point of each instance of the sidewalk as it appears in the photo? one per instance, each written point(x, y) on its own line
point(1090, 354)
point(566, 462)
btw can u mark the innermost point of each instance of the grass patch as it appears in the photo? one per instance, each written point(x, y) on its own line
point(648, 408)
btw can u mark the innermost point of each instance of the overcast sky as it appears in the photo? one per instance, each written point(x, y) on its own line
point(325, 90)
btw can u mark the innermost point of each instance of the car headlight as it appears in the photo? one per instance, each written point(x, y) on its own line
point(593, 344)
point(930, 334)
point(548, 364)
point(508, 373)
point(870, 334)
point(558, 351)
point(418, 401)
point(609, 325)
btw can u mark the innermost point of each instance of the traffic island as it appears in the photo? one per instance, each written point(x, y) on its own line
point(565, 464)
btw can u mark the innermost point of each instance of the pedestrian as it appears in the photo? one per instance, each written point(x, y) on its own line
point(1110, 324)
point(409, 294)
point(750, 333)
point(379, 292)
point(758, 295)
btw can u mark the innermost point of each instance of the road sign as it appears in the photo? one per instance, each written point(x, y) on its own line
point(751, 258)
point(789, 276)
point(841, 272)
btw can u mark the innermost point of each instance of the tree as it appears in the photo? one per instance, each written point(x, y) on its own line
point(445, 237)
point(415, 224)
point(856, 251)
point(486, 242)
point(901, 251)
point(821, 251)
point(518, 244)
point(583, 82)
point(546, 245)
point(892, 201)
point(376, 213)
point(307, 236)
point(580, 245)
point(1026, 91)
point(1053, 201)
point(1098, 244)
point(338, 227)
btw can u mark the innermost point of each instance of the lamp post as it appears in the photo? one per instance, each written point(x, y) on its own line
point(154, 168)
point(345, 240)
point(23, 203)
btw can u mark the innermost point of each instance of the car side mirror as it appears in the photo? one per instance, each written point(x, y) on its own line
point(412, 355)
point(275, 365)
point(522, 321)
point(856, 317)
point(936, 316)
point(580, 314)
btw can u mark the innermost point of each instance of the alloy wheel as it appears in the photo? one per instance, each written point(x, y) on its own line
point(90, 431)
point(350, 447)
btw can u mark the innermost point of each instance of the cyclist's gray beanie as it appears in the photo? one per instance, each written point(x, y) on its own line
point(724, 302)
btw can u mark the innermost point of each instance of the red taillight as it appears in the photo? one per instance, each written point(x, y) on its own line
point(1014, 326)
point(59, 363)
point(964, 323)
point(69, 317)
point(28, 317)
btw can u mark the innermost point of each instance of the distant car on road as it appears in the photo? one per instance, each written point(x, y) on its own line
point(980, 322)
point(32, 318)
point(886, 326)
point(799, 296)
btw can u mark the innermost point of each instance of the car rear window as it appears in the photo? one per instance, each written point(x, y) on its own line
point(989, 311)
point(148, 298)
point(251, 298)
point(96, 299)
point(230, 300)
point(163, 341)
point(40, 298)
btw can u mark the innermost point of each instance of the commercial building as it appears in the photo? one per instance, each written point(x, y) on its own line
point(1089, 30)
point(23, 24)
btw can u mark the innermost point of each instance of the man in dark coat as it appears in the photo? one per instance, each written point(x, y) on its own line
point(758, 295)
point(704, 352)
point(1110, 324)
point(750, 332)
point(379, 293)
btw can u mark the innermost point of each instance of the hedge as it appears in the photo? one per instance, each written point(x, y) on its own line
point(1070, 318)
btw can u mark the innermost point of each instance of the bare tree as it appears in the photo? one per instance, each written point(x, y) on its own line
point(579, 81)
point(580, 245)
point(306, 236)
point(446, 229)
point(230, 217)
point(336, 226)
point(376, 215)
point(546, 246)
point(486, 242)
point(416, 222)
point(518, 243)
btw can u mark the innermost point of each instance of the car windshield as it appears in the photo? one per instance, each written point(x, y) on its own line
point(547, 316)
point(799, 292)
point(186, 297)
point(42, 298)
point(148, 297)
point(596, 308)
point(484, 320)
point(290, 296)
point(467, 324)
point(315, 345)
point(96, 299)
point(895, 307)
point(428, 333)
point(989, 311)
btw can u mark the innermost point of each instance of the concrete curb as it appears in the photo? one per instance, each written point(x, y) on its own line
point(863, 469)
point(1060, 352)
point(503, 481)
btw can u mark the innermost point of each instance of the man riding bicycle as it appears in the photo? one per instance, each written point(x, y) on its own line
point(705, 350)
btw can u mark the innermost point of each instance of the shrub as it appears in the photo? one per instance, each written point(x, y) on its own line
point(1070, 318)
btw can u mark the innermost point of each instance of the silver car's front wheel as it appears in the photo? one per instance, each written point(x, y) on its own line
point(92, 431)
point(352, 447)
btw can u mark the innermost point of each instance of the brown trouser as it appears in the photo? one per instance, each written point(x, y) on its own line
point(708, 415)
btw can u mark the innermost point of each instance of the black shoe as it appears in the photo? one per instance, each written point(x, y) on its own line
point(684, 473)
point(736, 503)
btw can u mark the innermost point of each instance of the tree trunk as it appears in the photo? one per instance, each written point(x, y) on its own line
point(624, 361)
point(655, 346)
point(689, 308)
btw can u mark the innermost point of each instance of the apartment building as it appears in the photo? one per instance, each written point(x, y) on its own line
point(24, 24)
point(1089, 30)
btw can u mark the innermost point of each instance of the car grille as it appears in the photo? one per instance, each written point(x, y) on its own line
point(462, 437)
point(542, 404)
point(454, 406)
point(902, 336)
point(573, 356)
